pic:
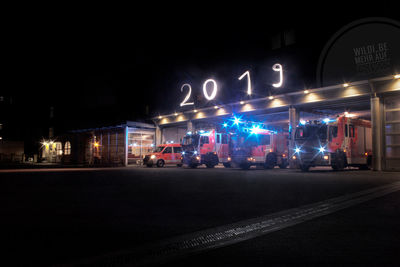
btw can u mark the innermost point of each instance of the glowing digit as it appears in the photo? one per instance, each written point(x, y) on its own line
point(278, 67)
point(214, 92)
point(248, 81)
point(187, 96)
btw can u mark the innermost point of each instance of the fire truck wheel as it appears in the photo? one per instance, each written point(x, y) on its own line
point(160, 163)
point(270, 161)
point(304, 167)
point(227, 165)
point(284, 164)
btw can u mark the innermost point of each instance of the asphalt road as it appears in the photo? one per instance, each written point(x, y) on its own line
point(63, 216)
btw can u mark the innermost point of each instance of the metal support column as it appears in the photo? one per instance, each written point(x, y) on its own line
point(376, 122)
point(189, 126)
point(126, 145)
point(293, 122)
point(158, 136)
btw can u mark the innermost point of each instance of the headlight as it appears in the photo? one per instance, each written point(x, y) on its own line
point(153, 156)
point(198, 158)
point(229, 159)
point(250, 159)
point(326, 157)
point(183, 153)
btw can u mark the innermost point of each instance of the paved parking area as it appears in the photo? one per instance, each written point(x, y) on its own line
point(61, 216)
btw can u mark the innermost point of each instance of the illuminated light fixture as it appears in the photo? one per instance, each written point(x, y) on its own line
point(195, 152)
point(96, 144)
point(294, 157)
point(176, 114)
point(270, 97)
point(326, 120)
point(306, 91)
point(346, 85)
point(302, 122)
point(194, 110)
point(216, 107)
point(326, 157)
point(397, 76)
point(183, 152)
point(229, 159)
point(198, 158)
point(189, 132)
point(278, 67)
point(297, 150)
point(225, 124)
point(248, 81)
point(160, 117)
point(241, 102)
point(283, 155)
point(346, 113)
point(1, 138)
point(366, 153)
point(153, 156)
point(322, 149)
point(214, 92)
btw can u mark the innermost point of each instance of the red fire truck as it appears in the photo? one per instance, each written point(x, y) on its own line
point(205, 147)
point(337, 143)
point(260, 147)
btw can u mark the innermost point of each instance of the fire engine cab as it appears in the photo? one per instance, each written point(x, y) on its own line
point(337, 143)
point(205, 147)
point(260, 147)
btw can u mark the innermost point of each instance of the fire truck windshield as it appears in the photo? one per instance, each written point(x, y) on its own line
point(311, 131)
point(190, 140)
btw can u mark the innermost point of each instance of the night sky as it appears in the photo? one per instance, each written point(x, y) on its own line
point(99, 69)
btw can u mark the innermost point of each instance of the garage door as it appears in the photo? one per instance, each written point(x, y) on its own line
point(173, 134)
point(392, 133)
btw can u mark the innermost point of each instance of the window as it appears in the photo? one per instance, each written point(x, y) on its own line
point(265, 139)
point(67, 148)
point(218, 139)
point(204, 140)
point(333, 132)
point(159, 149)
point(177, 150)
point(352, 133)
point(346, 131)
point(224, 139)
point(168, 150)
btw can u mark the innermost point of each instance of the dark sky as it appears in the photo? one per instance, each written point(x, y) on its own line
point(98, 68)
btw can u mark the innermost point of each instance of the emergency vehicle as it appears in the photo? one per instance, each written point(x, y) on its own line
point(205, 147)
point(337, 143)
point(164, 154)
point(260, 147)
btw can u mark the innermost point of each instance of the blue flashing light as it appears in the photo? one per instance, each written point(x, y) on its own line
point(236, 120)
point(189, 133)
point(327, 120)
point(322, 149)
point(183, 153)
point(201, 131)
point(297, 150)
point(302, 122)
point(255, 129)
point(225, 124)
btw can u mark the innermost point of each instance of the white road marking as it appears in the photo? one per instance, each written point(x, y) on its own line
point(165, 250)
